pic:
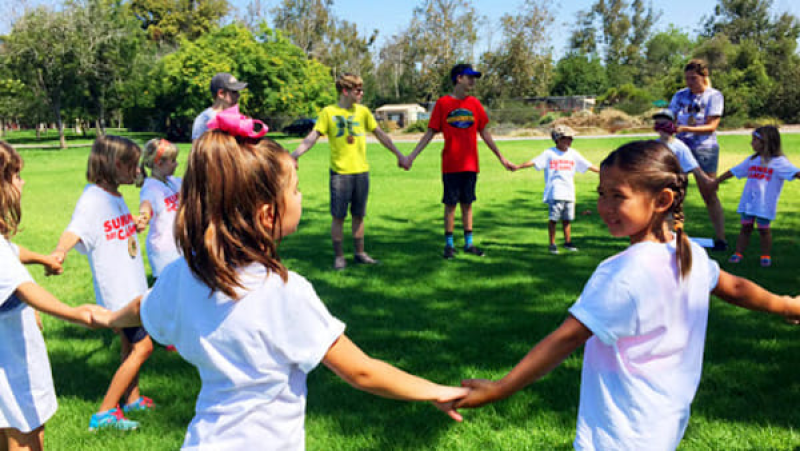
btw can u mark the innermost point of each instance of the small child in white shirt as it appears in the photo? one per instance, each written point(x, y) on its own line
point(766, 171)
point(253, 329)
point(560, 164)
point(642, 315)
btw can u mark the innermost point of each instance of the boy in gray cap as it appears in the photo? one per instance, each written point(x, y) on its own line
point(225, 92)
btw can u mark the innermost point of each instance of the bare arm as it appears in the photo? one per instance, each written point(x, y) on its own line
point(543, 358)
point(487, 138)
point(379, 378)
point(51, 265)
point(744, 293)
point(714, 183)
point(594, 168)
point(41, 300)
point(708, 127)
point(307, 144)
point(67, 241)
point(145, 215)
point(423, 142)
point(386, 140)
point(127, 316)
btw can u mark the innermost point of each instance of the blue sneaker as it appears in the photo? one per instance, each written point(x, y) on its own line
point(111, 419)
point(143, 403)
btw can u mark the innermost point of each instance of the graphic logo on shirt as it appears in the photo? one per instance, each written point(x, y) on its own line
point(562, 165)
point(760, 173)
point(347, 125)
point(171, 202)
point(120, 228)
point(461, 118)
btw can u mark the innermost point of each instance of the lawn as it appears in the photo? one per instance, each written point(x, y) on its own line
point(444, 320)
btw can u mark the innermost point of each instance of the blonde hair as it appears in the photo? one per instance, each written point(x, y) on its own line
point(771, 137)
point(227, 182)
point(10, 208)
point(154, 151)
point(106, 152)
point(348, 81)
point(651, 167)
point(700, 67)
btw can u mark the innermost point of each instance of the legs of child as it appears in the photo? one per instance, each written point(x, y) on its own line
point(337, 235)
point(766, 245)
point(12, 439)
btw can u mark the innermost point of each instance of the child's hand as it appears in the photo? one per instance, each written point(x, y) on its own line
point(51, 265)
point(448, 398)
point(39, 322)
point(58, 256)
point(481, 392)
point(93, 316)
point(142, 221)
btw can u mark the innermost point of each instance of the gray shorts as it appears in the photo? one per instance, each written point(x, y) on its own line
point(349, 189)
point(707, 159)
point(562, 210)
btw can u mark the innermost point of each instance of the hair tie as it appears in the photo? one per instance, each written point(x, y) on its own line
point(678, 226)
point(236, 124)
point(162, 146)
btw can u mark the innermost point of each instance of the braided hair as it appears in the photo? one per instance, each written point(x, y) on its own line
point(650, 166)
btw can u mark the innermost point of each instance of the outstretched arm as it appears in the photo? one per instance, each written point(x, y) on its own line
point(543, 358)
point(423, 142)
point(594, 168)
point(386, 140)
point(714, 183)
point(50, 263)
point(67, 241)
point(41, 300)
point(744, 293)
point(379, 378)
point(145, 215)
point(306, 145)
point(489, 140)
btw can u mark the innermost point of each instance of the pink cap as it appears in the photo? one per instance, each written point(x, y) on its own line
point(237, 124)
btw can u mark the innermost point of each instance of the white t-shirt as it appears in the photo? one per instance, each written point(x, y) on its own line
point(200, 124)
point(642, 367)
point(27, 395)
point(559, 175)
point(252, 354)
point(108, 238)
point(160, 243)
point(764, 184)
point(685, 157)
point(695, 110)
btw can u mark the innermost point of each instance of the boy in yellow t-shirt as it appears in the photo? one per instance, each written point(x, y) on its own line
point(346, 125)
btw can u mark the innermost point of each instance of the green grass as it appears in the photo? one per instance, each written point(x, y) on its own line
point(444, 320)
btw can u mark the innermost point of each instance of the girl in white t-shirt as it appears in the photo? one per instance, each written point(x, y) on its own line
point(27, 395)
point(766, 171)
point(253, 329)
point(158, 202)
point(642, 315)
point(104, 230)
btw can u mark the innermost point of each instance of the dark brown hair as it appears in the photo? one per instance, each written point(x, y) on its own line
point(650, 166)
point(106, 152)
point(771, 137)
point(227, 182)
point(10, 209)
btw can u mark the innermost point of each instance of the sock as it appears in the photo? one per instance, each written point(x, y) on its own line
point(467, 239)
point(448, 239)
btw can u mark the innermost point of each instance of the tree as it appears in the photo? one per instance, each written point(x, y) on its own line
point(579, 74)
point(168, 21)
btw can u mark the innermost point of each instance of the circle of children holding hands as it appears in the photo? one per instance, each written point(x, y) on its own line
point(254, 329)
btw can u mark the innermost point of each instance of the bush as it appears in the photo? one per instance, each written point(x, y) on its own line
point(417, 127)
point(388, 126)
point(762, 121)
point(548, 118)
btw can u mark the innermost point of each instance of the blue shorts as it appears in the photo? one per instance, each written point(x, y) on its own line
point(707, 159)
point(349, 190)
point(761, 223)
point(134, 334)
point(561, 210)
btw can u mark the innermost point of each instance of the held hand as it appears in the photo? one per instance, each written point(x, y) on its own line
point(58, 257)
point(52, 266)
point(142, 221)
point(507, 164)
point(93, 316)
point(481, 393)
point(448, 397)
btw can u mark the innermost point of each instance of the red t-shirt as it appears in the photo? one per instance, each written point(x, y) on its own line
point(459, 120)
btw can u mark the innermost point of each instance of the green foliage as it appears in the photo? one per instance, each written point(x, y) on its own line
point(388, 126)
point(169, 21)
point(420, 126)
point(579, 74)
point(628, 98)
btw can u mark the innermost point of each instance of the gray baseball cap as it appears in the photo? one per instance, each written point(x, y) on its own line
point(665, 114)
point(226, 81)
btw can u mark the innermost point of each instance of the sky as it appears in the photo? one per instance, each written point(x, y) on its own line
point(392, 16)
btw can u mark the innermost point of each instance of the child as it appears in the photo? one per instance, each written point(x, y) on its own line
point(103, 228)
point(666, 128)
point(560, 163)
point(158, 202)
point(27, 395)
point(251, 327)
point(460, 117)
point(647, 308)
point(765, 170)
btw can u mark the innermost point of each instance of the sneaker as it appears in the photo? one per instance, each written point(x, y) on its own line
point(766, 261)
point(339, 263)
point(111, 419)
point(553, 249)
point(720, 246)
point(143, 403)
point(735, 258)
point(474, 251)
point(570, 247)
point(449, 252)
point(365, 259)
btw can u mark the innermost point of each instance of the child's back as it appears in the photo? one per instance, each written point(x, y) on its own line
point(252, 354)
point(642, 366)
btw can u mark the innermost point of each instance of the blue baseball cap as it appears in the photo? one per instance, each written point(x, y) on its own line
point(463, 69)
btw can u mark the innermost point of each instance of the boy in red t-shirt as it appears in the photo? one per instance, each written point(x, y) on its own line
point(460, 117)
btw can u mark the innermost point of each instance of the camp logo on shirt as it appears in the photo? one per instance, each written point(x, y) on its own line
point(461, 118)
point(171, 202)
point(120, 228)
point(760, 173)
point(343, 124)
point(562, 165)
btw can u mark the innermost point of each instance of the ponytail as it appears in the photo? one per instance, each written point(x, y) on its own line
point(683, 247)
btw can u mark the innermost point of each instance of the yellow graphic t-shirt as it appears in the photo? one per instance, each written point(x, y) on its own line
point(346, 131)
